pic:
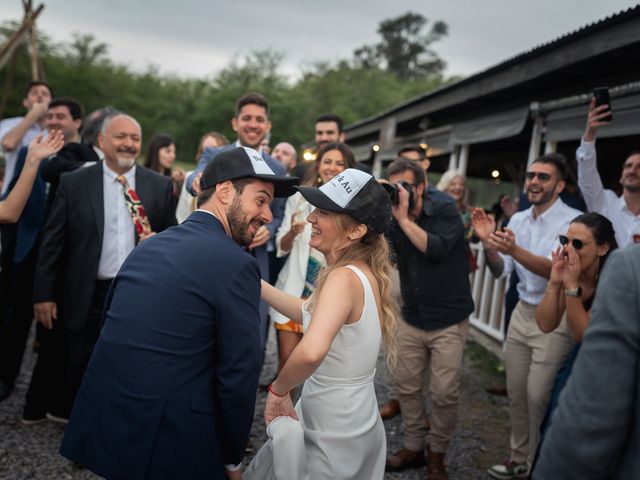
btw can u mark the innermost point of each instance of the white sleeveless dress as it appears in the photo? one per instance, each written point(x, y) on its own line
point(343, 433)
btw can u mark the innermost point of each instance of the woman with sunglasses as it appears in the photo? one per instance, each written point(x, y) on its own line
point(576, 265)
point(351, 310)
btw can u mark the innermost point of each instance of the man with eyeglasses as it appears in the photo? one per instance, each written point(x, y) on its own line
point(532, 358)
point(623, 211)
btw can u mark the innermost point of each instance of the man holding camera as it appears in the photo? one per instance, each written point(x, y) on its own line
point(428, 239)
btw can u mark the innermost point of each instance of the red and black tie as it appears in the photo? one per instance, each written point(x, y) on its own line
point(136, 210)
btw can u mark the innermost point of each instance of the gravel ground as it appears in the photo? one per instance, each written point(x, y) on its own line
point(481, 439)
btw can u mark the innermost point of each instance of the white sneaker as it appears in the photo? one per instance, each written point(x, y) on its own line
point(55, 419)
point(509, 470)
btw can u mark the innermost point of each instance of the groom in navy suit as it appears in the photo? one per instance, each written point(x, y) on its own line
point(170, 389)
point(251, 123)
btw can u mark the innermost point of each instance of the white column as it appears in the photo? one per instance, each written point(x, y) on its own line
point(536, 139)
point(550, 147)
point(453, 158)
point(463, 160)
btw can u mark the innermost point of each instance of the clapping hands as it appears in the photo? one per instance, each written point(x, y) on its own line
point(565, 267)
point(296, 225)
point(41, 148)
point(484, 227)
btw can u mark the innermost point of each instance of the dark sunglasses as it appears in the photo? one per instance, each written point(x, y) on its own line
point(577, 244)
point(544, 177)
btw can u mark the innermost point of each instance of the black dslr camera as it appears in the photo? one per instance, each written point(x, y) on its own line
point(394, 194)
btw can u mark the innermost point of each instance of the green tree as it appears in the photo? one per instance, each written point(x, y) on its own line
point(187, 108)
point(404, 48)
point(84, 50)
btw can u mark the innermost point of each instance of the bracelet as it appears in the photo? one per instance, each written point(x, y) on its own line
point(281, 395)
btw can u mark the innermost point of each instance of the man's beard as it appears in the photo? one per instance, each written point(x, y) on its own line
point(239, 223)
point(545, 197)
point(630, 186)
point(125, 162)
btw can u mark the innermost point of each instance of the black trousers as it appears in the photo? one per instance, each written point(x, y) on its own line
point(49, 387)
point(16, 314)
point(80, 344)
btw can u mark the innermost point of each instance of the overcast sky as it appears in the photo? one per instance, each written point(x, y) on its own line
point(196, 38)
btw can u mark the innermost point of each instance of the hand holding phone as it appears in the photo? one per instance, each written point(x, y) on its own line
point(601, 94)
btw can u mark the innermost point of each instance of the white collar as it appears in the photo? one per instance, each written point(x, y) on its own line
point(547, 213)
point(113, 176)
point(207, 211)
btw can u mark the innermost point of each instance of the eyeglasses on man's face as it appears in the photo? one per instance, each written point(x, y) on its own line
point(543, 177)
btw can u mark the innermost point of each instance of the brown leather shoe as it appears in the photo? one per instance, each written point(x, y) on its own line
point(403, 459)
point(390, 409)
point(436, 469)
point(496, 389)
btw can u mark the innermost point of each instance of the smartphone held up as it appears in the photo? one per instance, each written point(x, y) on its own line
point(601, 94)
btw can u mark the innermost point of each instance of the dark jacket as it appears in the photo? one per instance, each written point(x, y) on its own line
point(72, 237)
point(435, 285)
point(170, 389)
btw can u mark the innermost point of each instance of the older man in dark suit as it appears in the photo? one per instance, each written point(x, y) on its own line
point(98, 216)
point(170, 389)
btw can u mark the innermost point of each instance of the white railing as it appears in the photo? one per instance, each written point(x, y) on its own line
point(488, 297)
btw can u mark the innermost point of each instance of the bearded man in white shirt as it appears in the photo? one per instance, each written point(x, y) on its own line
point(623, 211)
point(532, 358)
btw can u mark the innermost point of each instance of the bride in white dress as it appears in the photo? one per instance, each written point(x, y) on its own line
point(344, 320)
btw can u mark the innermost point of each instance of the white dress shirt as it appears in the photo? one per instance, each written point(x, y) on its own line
point(539, 236)
point(604, 202)
point(10, 158)
point(119, 236)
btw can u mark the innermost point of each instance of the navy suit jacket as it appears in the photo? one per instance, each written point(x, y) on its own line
point(277, 209)
point(170, 389)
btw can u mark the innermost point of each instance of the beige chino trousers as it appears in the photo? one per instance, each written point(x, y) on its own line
point(532, 361)
point(439, 351)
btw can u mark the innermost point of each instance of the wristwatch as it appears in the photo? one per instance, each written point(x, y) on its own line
point(573, 292)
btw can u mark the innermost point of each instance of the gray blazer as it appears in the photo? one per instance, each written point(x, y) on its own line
point(595, 431)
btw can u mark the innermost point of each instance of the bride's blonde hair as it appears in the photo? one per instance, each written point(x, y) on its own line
point(373, 250)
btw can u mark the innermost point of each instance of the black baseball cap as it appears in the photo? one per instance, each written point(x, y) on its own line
point(242, 162)
point(355, 193)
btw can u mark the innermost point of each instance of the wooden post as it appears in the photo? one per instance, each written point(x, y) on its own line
point(9, 47)
point(387, 139)
point(35, 71)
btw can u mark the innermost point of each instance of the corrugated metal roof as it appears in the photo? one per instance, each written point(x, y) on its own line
point(536, 51)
